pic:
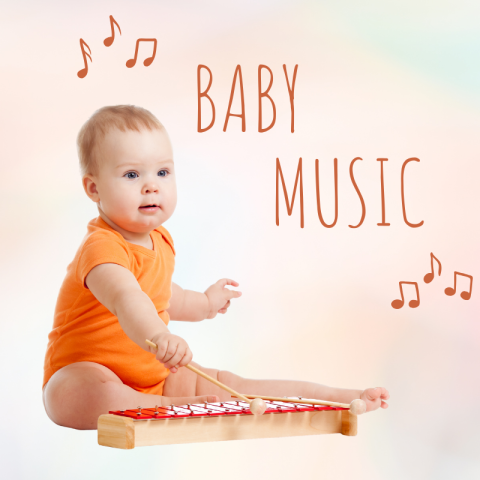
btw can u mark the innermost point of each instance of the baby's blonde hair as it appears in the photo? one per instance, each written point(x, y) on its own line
point(122, 117)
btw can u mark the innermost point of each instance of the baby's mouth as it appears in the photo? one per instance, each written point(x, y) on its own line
point(149, 208)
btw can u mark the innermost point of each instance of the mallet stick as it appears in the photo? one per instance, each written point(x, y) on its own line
point(216, 382)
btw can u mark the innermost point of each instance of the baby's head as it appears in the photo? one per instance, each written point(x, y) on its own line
point(127, 165)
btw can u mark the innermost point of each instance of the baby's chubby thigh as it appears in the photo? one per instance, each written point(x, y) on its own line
point(185, 383)
point(181, 383)
point(78, 393)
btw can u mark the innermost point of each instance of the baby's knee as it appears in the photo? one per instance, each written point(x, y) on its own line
point(228, 378)
point(76, 397)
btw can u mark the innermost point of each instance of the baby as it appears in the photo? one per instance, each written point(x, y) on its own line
point(118, 291)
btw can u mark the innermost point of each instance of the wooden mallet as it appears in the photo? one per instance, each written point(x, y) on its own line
point(357, 407)
point(257, 405)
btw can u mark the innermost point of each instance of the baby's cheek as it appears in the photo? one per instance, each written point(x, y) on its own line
point(124, 203)
point(169, 193)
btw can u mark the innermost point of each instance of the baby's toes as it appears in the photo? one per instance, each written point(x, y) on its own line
point(385, 394)
point(373, 394)
point(382, 393)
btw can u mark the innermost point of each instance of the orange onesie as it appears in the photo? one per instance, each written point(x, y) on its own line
point(86, 331)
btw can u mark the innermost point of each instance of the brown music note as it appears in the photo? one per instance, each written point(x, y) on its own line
point(131, 63)
point(83, 72)
point(413, 303)
point(109, 40)
point(451, 291)
point(429, 276)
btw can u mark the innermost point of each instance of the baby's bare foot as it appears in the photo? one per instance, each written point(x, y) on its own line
point(375, 397)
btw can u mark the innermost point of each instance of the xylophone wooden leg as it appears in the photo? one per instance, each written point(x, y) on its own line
point(116, 432)
point(349, 423)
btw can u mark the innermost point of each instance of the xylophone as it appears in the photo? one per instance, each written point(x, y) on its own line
point(212, 422)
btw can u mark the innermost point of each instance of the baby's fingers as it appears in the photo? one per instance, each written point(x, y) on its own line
point(232, 293)
point(187, 358)
point(227, 281)
point(225, 306)
point(162, 348)
point(171, 353)
point(175, 360)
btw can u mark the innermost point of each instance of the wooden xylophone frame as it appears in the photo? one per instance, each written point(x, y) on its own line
point(213, 422)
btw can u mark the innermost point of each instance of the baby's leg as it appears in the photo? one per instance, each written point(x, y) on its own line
point(286, 388)
point(187, 383)
point(76, 395)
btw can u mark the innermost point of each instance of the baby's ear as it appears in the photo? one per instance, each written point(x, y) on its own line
point(90, 188)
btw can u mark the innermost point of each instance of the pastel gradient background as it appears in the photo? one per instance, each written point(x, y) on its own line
point(393, 79)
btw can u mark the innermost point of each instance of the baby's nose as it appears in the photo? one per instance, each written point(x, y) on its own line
point(150, 187)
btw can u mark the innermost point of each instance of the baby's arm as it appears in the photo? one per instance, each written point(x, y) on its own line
point(117, 289)
point(191, 306)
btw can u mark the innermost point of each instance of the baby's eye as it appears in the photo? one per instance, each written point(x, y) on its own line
point(131, 175)
point(162, 173)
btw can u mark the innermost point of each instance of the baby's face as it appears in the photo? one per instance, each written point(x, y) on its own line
point(136, 180)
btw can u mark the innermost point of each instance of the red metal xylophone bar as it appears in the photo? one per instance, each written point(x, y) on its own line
point(216, 409)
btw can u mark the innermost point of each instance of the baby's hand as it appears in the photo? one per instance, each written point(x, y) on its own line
point(219, 297)
point(172, 351)
point(374, 398)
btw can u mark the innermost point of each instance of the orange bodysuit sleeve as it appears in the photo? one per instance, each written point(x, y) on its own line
point(102, 247)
